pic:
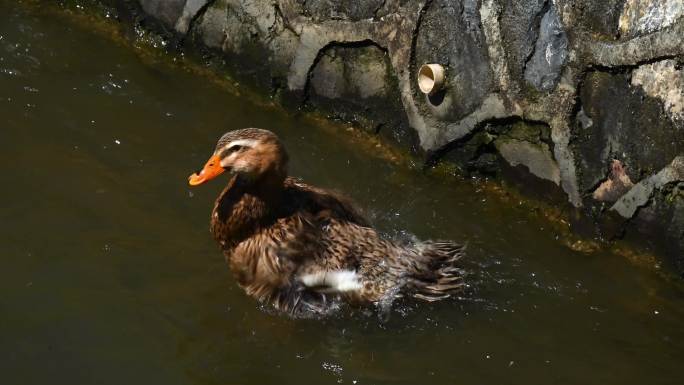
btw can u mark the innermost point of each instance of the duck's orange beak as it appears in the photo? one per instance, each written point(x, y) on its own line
point(210, 171)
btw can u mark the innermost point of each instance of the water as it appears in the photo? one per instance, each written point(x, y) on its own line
point(109, 274)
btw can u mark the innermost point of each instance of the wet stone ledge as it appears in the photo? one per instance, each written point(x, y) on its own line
point(584, 96)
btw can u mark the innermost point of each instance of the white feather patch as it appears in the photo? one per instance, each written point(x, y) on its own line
point(244, 166)
point(332, 281)
point(242, 143)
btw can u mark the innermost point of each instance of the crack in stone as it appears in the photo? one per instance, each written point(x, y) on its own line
point(378, 9)
point(659, 45)
point(187, 20)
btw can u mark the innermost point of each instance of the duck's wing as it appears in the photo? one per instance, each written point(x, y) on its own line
point(318, 262)
point(289, 266)
point(319, 201)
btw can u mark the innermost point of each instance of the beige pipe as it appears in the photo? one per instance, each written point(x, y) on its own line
point(430, 78)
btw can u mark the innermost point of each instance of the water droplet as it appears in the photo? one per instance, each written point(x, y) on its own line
point(334, 368)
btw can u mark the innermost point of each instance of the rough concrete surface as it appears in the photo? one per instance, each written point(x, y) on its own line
point(627, 125)
point(536, 157)
point(664, 81)
point(615, 186)
point(550, 52)
point(644, 16)
point(603, 77)
point(640, 194)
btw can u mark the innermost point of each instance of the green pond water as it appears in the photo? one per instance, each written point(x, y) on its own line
point(109, 275)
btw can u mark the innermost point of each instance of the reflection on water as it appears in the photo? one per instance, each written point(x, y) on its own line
point(110, 276)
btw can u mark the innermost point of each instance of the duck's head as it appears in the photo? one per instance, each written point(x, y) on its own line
point(251, 153)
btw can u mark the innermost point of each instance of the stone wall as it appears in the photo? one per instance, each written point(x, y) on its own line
point(585, 95)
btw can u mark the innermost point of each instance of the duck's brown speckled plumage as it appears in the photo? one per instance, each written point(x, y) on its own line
point(274, 230)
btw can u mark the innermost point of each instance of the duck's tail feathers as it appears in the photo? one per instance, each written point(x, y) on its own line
point(436, 273)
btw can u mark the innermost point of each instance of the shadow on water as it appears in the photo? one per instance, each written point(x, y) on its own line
point(110, 276)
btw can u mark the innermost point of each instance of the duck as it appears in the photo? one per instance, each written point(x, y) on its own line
point(306, 250)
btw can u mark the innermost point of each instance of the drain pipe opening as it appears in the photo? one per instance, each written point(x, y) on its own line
point(430, 78)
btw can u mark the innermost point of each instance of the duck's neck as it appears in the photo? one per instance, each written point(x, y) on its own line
point(244, 207)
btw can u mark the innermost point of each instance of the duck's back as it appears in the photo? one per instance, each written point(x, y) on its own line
point(303, 198)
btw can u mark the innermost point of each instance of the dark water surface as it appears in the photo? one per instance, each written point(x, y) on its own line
point(109, 274)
